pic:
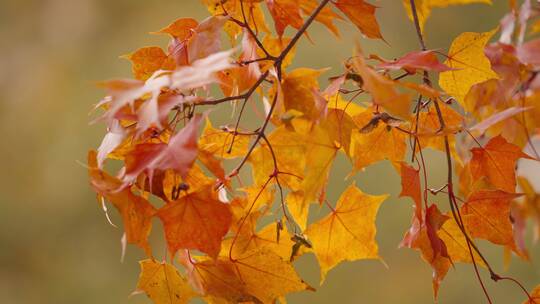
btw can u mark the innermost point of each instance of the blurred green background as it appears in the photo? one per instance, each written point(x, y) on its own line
point(55, 244)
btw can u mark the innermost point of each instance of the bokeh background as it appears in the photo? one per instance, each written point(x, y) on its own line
point(55, 244)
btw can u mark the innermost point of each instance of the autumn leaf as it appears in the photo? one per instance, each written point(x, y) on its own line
point(410, 186)
point(321, 151)
point(487, 216)
point(485, 124)
point(250, 240)
point(220, 143)
point(180, 29)
point(528, 52)
point(260, 276)
point(348, 232)
point(175, 186)
point(421, 60)
point(206, 40)
point(496, 162)
point(196, 221)
point(383, 142)
point(299, 87)
point(285, 13)
point(430, 132)
point(425, 236)
point(163, 283)
point(382, 89)
point(136, 211)
point(146, 61)
point(114, 138)
point(469, 63)
point(456, 243)
point(290, 156)
point(326, 16)
point(179, 154)
point(362, 14)
point(251, 9)
point(274, 46)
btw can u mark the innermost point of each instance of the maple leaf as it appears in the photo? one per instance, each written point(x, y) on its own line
point(145, 61)
point(487, 216)
point(362, 14)
point(179, 154)
point(421, 60)
point(298, 91)
point(290, 156)
point(410, 186)
point(528, 52)
point(274, 46)
point(456, 243)
point(249, 241)
point(469, 63)
point(321, 151)
point(163, 283)
point(382, 89)
point(348, 232)
point(180, 29)
point(218, 142)
point(326, 16)
point(496, 162)
point(285, 13)
point(206, 38)
point(124, 92)
point(429, 129)
point(175, 186)
point(382, 142)
point(260, 276)
point(252, 11)
point(425, 237)
point(136, 211)
point(110, 142)
point(243, 77)
point(196, 221)
point(487, 123)
point(201, 72)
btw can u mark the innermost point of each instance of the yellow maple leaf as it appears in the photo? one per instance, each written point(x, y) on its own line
point(162, 283)
point(471, 66)
point(348, 232)
point(383, 142)
point(258, 277)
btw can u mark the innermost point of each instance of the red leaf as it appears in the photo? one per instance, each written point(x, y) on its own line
point(179, 154)
point(422, 60)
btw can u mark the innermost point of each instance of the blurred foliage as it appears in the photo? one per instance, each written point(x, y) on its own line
point(55, 243)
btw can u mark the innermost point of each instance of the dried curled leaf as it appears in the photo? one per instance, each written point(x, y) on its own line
point(135, 210)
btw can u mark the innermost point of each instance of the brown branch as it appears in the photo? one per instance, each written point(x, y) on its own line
point(261, 131)
point(277, 65)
